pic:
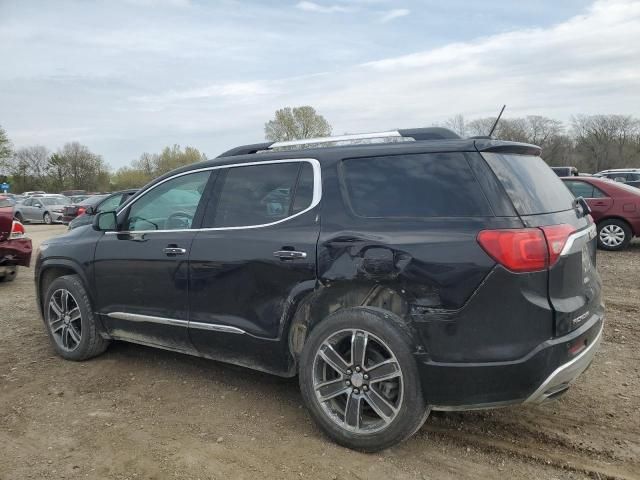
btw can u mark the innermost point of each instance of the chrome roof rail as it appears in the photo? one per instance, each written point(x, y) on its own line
point(339, 138)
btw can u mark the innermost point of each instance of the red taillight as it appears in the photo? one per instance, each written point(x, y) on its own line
point(17, 230)
point(81, 211)
point(557, 236)
point(519, 250)
point(526, 249)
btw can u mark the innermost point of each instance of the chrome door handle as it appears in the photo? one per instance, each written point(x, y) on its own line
point(175, 251)
point(289, 254)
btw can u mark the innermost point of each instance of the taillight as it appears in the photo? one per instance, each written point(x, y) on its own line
point(17, 230)
point(81, 211)
point(557, 236)
point(519, 250)
point(526, 249)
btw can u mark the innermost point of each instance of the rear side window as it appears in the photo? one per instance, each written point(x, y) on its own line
point(416, 185)
point(532, 186)
point(584, 190)
point(260, 194)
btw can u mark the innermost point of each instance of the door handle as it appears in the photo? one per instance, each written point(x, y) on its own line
point(289, 254)
point(175, 251)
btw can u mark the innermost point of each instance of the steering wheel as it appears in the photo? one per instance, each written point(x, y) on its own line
point(181, 219)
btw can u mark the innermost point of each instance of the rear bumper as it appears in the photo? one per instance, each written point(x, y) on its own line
point(540, 375)
point(16, 252)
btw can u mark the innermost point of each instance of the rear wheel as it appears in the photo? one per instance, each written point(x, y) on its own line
point(614, 234)
point(18, 216)
point(47, 218)
point(360, 382)
point(9, 275)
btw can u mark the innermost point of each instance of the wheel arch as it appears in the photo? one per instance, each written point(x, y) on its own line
point(55, 268)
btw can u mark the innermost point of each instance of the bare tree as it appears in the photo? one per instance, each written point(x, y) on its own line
point(28, 167)
point(457, 124)
point(85, 169)
point(6, 150)
point(296, 123)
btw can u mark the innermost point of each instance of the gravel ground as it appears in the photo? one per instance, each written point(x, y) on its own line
point(140, 413)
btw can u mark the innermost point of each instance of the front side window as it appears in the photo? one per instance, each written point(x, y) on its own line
point(416, 185)
point(260, 194)
point(171, 205)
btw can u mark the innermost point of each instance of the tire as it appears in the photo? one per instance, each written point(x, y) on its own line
point(9, 276)
point(46, 218)
point(364, 429)
point(18, 216)
point(77, 320)
point(614, 234)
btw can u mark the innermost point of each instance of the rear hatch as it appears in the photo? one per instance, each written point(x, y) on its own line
point(543, 201)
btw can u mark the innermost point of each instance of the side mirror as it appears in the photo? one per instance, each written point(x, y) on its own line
point(105, 222)
point(89, 211)
point(37, 205)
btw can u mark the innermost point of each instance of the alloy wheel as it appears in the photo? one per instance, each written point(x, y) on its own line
point(47, 219)
point(65, 320)
point(358, 381)
point(612, 235)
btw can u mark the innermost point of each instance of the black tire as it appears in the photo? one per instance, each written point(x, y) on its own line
point(411, 408)
point(91, 342)
point(614, 234)
point(46, 218)
point(18, 216)
point(9, 276)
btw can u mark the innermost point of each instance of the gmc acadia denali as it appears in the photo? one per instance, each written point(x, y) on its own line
point(395, 273)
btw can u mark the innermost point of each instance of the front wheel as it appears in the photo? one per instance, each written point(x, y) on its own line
point(613, 234)
point(360, 381)
point(70, 321)
point(10, 275)
point(47, 218)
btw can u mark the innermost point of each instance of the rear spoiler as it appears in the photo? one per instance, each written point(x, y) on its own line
point(507, 147)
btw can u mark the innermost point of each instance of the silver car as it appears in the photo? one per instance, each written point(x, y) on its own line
point(46, 209)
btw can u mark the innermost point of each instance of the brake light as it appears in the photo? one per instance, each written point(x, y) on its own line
point(526, 249)
point(519, 250)
point(81, 211)
point(17, 230)
point(557, 236)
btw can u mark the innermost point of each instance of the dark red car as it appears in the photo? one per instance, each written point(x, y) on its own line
point(15, 247)
point(615, 207)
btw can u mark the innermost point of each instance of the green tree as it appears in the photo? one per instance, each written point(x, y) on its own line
point(6, 150)
point(295, 124)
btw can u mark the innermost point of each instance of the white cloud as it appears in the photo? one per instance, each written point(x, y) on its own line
point(236, 89)
point(393, 14)
point(315, 7)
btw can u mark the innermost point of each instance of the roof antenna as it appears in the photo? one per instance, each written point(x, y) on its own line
point(497, 120)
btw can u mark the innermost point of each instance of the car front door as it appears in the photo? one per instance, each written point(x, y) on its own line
point(141, 271)
point(31, 210)
point(254, 257)
point(598, 201)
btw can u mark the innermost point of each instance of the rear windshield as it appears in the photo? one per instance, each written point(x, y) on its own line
point(532, 186)
point(418, 185)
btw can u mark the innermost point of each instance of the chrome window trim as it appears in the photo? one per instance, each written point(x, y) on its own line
point(590, 231)
point(135, 317)
point(315, 200)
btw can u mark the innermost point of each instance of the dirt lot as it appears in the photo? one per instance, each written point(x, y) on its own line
point(138, 413)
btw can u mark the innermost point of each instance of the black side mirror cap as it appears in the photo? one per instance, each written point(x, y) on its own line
point(105, 222)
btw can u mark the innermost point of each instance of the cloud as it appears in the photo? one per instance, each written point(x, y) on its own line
point(242, 90)
point(315, 7)
point(393, 14)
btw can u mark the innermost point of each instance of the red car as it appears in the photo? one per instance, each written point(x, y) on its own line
point(15, 247)
point(615, 207)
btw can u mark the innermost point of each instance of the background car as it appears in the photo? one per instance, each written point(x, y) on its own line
point(34, 192)
point(79, 198)
point(628, 176)
point(42, 209)
point(565, 171)
point(615, 207)
point(82, 214)
point(15, 248)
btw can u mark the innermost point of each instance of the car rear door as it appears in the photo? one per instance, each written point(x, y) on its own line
point(254, 256)
point(598, 201)
point(542, 201)
point(141, 271)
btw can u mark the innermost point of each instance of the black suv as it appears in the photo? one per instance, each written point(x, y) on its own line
point(418, 271)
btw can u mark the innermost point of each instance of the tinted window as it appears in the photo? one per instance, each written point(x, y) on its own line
point(27, 202)
point(259, 194)
point(422, 185)
point(110, 204)
point(580, 189)
point(5, 202)
point(530, 183)
point(169, 206)
point(91, 201)
point(633, 177)
point(304, 189)
point(55, 200)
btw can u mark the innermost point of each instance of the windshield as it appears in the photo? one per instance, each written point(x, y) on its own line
point(91, 201)
point(55, 200)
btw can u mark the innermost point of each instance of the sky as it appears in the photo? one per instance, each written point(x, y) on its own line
point(131, 76)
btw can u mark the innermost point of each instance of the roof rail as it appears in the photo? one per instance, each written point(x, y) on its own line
point(416, 134)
